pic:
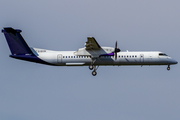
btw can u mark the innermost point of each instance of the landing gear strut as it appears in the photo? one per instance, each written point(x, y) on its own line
point(168, 68)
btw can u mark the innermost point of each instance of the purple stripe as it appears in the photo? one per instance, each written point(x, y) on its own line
point(110, 54)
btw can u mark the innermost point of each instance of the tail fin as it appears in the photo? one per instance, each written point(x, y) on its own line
point(16, 43)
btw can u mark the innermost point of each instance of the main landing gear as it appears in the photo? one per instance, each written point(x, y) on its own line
point(168, 68)
point(91, 67)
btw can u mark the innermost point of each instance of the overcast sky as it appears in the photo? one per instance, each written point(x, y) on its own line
point(30, 91)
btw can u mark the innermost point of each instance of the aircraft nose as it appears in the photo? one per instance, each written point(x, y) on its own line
point(173, 61)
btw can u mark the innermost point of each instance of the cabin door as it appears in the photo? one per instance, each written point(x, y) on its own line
point(142, 58)
point(59, 58)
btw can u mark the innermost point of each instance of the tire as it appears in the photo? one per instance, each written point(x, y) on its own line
point(94, 73)
point(91, 67)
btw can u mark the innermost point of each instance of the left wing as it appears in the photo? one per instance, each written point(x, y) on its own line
point(92, 44)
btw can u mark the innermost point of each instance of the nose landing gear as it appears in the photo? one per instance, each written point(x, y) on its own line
point(168, 68)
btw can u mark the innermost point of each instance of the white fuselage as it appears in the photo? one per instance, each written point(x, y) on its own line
point(69, 58)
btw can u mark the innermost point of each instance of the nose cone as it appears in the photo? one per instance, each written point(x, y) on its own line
point(172, 61)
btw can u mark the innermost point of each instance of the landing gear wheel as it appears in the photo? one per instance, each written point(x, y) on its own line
point(94, 73)
point(91, 67)
point(168, 68)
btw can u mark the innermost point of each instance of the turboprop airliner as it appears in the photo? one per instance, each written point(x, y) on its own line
point(92, 55)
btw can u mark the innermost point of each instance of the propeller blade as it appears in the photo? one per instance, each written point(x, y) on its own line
point(116, 56)
point(116, 50)
point(116, 45)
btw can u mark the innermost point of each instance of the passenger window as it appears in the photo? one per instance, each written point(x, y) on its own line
point(124, 56)
point(127, 56)
point(119, 56)
point(66, 56)
point(133, 56)
point(71, 56)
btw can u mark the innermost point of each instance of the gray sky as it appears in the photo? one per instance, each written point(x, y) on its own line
point(39, 92)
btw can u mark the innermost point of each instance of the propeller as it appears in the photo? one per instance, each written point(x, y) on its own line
point(116, 50)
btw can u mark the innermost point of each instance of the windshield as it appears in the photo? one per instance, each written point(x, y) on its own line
point(162, 54)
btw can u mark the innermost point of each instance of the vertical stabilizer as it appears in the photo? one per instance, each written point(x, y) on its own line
point(16, 43)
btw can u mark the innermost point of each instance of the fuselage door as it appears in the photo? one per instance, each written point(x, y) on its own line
point(59, 58)
point(142, 57)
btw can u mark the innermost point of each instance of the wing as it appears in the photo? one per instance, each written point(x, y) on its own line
point(92, 44)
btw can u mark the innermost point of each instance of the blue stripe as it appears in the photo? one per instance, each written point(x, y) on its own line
point(30, 58)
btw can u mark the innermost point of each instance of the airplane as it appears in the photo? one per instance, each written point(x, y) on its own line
point(92, 55)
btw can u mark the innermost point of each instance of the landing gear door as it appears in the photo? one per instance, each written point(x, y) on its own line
point(59, 58)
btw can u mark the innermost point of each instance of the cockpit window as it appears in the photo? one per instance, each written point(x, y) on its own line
point(162, 54)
